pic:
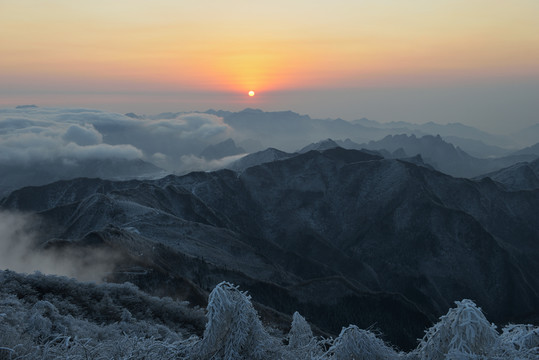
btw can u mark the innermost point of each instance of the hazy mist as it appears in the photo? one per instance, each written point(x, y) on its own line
point(21, 251)
point(176, 142)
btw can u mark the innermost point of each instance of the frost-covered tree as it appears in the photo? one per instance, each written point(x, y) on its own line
point(47, 317)
point(358, 344)
point(301, 341)
point(233, 330)
point(520, 340)
point(462, 333)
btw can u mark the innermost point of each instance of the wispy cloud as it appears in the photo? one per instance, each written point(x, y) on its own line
point(20, 250)
point(196, 163)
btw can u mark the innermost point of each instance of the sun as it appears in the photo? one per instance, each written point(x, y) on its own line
point(251, 93)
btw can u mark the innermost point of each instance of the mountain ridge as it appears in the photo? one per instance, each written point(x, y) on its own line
point(386, 226)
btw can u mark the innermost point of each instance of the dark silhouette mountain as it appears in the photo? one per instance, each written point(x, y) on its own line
point(462, 134)
point(281, 128)
point(530, 150)
point(528, 135)
point(477, 148)
point(285, 129)
point(26, 106)
point(221, 150)
point(442, 155)
point(342, 236)
point(134, 116)
point(319, 146)
point(462, 131)
point(347, 144)
point(433, 149)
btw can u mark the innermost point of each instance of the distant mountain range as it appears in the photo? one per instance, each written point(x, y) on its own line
point(455, 149)
point(182, 142)
point(533, 149)
point(280, 129)
point(433, 150)
point(342, 236)
point(528, 135)
point(221, 150)
point(454, 130)
point(444, 156)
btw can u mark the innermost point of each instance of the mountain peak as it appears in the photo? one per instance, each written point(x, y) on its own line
point(258, 158)
point(319, 146)
point(220, 150)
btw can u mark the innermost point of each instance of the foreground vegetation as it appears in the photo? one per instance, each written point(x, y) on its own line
point(49, 317)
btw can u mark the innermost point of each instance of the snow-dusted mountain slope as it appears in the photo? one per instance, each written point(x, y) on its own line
point(521, 176)
point(319, 146)
point(259, 157)
point(341, 232)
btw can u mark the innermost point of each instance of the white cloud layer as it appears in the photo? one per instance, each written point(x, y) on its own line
point(196, 163)
point(33, 134)
point(83, 135)
point(187, 126)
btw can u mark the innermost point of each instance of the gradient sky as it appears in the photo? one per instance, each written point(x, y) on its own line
point(473, 61)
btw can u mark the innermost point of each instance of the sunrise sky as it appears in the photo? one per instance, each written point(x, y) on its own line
point(473, 61)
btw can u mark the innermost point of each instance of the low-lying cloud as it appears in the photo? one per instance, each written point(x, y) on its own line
point(102, 151)
point(196, 163)
point(83, 135)
point(190, 126)
point(29, 135)
point(20, 251)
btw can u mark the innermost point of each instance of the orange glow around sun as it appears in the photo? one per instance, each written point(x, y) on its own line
point(149, 50)
point(242, 72)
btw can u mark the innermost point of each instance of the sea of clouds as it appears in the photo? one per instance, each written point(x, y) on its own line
point(32, 134)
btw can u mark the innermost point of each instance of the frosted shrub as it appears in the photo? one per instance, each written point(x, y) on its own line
point(11, 328)
point(522, 340)
point(463, 333)
point(44, 321)
point(300, 334)
point(234, 330)
point(357, 344)
point(76, 321)
point(43, 317)
point(301, 341)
